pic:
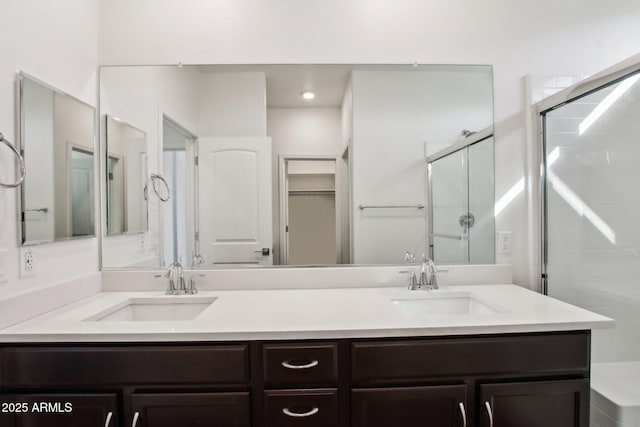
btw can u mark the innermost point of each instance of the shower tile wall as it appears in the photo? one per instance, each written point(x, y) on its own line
point(594, 215)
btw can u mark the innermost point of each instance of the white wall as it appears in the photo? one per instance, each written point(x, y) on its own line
point(299, 131)
point(232, 104)
point(56, 43)
point(545, 37)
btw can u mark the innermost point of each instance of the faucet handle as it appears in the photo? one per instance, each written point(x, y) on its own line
point(197, 260)
point(192, 289)
point(413, 279)
point(409, 257)
point(413, 282)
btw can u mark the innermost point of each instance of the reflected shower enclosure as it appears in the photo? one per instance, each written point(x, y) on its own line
point(461, 202)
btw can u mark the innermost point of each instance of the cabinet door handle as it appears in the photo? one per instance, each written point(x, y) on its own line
point(463, 413)
point(287, 364)
point(135, 419)
point(309, 413)
point(108, 421)
point(490, 412)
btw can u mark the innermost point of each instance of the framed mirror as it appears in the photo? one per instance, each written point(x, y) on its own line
point(57, 138)
point(291, 164)
point(126, 182)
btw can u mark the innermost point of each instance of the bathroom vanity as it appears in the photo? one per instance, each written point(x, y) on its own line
point(445, 381)
point(366, 360)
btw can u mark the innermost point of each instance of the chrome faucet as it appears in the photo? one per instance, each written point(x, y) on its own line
point(175, 272)
point(428, 279)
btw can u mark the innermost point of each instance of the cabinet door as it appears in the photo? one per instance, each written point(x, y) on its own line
point(59, 410)
point(535, 404)
point(439, 406)
point(190, 410)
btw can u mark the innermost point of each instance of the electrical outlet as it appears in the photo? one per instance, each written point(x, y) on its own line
point(4, 253)
point(504, 242)
point(27, 263)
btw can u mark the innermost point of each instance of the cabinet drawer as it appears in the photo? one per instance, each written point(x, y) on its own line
point(92, 366)
point(309, 408)
point(300, 364)
point(399, 361)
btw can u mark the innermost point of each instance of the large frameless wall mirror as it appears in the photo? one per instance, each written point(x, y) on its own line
point(126, 177)
point(291, 164)
point(57, 138)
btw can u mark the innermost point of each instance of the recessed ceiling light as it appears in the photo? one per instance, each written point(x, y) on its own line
point(308, 95)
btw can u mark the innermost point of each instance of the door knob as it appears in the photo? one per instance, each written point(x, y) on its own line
point(264, 251)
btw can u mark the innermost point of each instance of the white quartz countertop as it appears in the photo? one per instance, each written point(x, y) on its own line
point(309, 314)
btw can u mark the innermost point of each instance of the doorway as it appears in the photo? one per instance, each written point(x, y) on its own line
point(178, 213)
point(81, 190)
point(309, 213)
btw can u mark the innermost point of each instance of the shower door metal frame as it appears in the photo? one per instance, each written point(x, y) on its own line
point(470, 140)
point(608, 77)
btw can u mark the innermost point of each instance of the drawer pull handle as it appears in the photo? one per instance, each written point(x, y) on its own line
point(464, 414)
point(490, 412)
point(309, 413)
point(135, 419)
point(287, 364)
point(108, 421)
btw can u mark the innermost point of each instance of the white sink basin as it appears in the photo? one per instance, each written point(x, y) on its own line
point(155, 309)
point(424, 303)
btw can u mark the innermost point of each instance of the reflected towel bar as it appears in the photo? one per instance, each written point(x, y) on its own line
point(37, 210)
point(449, 236)
point(391, 207)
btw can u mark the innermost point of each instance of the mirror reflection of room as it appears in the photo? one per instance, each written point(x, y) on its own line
point(58, 195)
point(242, 206)
point(126, 173)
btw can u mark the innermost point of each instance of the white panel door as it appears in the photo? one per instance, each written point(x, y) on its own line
point(234, 194)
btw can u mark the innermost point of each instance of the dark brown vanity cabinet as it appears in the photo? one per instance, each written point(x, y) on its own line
point(59, 410)
point(159, 385)
point(494, 381)
point(508, 380)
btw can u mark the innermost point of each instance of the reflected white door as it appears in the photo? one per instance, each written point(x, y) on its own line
point(234, 194)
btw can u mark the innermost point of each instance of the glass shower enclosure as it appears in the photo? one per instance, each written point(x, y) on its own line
point(591, 218)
